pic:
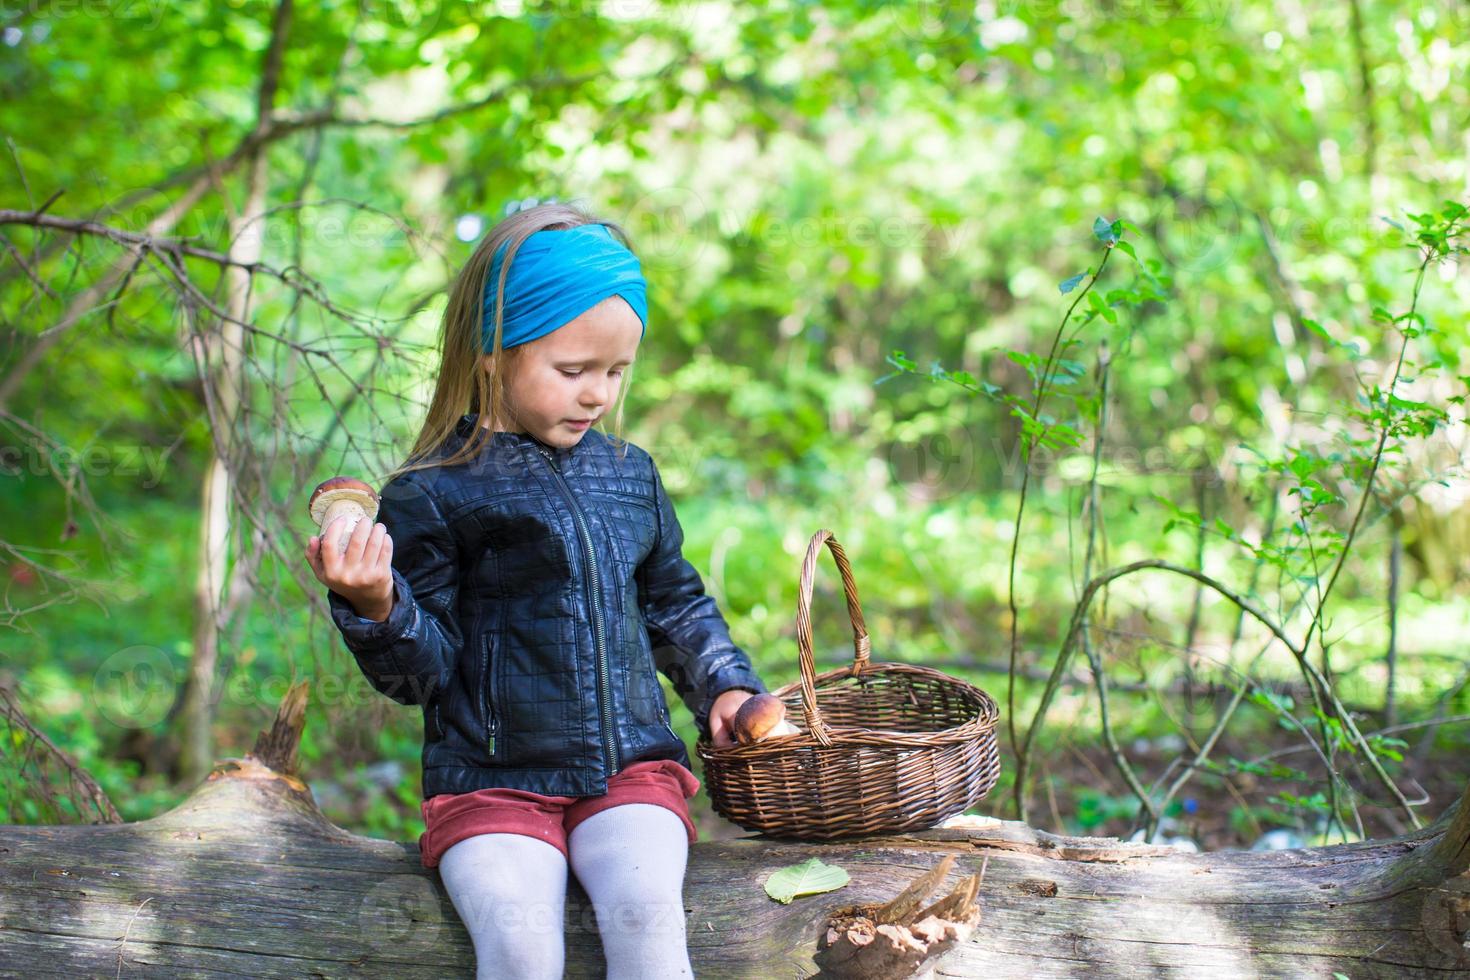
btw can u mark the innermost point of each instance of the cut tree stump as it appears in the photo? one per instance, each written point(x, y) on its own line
point(901, 937)
point(247, 878)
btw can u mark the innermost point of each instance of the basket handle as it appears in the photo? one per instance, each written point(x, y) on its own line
point(860, 643)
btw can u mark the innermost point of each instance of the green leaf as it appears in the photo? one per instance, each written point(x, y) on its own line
point(1075, 368)
point(808, 878)
point(1106, 311)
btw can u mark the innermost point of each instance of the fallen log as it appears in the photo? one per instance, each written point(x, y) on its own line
point(246, 877)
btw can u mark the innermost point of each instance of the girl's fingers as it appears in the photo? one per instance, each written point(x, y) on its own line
point(331, 550)
point(344, 544)
point(357, 544)
point(385, 555)
point(369, 549)
point(373, 553)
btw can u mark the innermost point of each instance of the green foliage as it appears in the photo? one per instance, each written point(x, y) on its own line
point(1273, 770)
point(852, 217)
point(1094, 809)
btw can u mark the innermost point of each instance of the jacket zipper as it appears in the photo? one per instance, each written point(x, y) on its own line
point(492, 723)
point(594, 592)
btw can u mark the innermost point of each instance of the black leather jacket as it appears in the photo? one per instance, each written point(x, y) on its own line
point(535, 590)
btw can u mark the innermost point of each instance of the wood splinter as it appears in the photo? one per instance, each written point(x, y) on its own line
point(899, 939)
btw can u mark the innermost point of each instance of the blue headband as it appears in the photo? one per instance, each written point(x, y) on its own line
point(557, 275)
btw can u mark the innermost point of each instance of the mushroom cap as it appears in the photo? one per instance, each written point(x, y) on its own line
point(757, 716)
point(338, 488)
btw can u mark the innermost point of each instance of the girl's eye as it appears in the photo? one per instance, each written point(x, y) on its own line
point(578, 374)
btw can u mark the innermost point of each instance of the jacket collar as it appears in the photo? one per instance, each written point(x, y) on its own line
point(465, 428)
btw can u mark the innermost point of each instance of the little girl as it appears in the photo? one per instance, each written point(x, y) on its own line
point(524, 583)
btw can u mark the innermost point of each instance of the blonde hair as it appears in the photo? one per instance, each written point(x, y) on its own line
point(463, 385)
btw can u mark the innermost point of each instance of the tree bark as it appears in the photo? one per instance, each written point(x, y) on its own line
point(247, 877)
point(222, 370)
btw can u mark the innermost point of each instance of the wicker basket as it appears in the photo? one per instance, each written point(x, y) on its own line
point(886, 746)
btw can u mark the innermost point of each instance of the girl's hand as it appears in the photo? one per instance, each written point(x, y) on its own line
point(363, 574)
point(722, 716)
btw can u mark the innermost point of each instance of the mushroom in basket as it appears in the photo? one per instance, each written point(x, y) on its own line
point(760, 717)
point(343, 496)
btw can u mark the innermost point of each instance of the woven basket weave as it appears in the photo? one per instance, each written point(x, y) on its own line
point(886, 746)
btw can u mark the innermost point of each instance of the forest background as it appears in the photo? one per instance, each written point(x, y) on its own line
point(1010, 297)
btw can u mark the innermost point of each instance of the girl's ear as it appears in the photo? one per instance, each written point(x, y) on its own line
point(487, 363)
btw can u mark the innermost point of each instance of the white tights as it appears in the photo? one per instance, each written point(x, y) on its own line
point(510, 892)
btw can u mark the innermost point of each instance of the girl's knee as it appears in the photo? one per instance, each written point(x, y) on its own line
point(509, 914)
point(640, 826)
point(501, 882)
point(641, 914)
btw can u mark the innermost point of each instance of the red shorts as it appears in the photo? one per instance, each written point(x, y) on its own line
point(451, 817)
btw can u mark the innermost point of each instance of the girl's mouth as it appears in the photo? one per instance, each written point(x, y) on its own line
point(579, 426)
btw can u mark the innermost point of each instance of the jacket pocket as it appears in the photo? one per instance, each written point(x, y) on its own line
point(645, 695)
point(433, 720)
point(489, 715)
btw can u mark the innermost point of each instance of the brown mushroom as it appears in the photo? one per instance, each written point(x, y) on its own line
point(760, 717)
point(342, 496)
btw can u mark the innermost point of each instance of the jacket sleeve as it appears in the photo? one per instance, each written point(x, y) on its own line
point(409, 655)
point(691, 640)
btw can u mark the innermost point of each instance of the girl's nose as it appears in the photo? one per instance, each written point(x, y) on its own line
point(595, 395)
point(592, 397)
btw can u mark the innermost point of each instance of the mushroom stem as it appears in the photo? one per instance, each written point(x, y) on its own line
point(783, 728)
point(350, 509)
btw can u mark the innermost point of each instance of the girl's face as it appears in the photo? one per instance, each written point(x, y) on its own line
point(571, 375)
